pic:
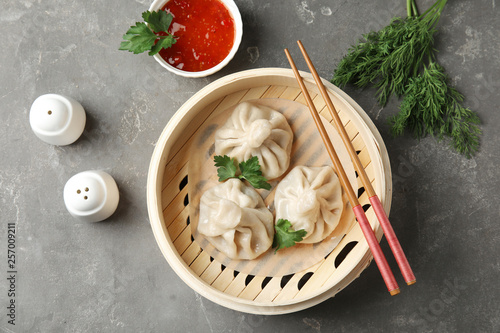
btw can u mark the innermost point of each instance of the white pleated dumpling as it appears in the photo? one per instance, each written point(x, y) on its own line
point(254, 130)
point(311, 199)
point(235, 220)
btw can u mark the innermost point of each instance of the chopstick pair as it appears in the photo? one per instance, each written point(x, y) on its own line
point(394, 244)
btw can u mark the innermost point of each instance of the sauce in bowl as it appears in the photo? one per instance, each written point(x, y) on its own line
point(205, 32)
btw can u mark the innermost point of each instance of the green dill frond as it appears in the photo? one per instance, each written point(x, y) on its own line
point(387, 58)
point(431, 106)
point(393, 60)
point(462, 125)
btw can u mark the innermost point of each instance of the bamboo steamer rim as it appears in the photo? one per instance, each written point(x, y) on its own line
point(360, 257)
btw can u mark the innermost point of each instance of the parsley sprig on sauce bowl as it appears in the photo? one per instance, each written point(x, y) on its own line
point(141, 37)
point(201, 38)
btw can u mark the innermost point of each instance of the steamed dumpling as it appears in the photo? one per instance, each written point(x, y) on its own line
point(235, 220)
point(254, 130)
point(311, 199)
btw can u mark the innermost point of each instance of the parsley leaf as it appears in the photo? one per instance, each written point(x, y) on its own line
point(226, 167)
point(162, 44)
point(250, 170)
point(158, 21)
point(138, 39)
point(285, 236)
point(141, 37)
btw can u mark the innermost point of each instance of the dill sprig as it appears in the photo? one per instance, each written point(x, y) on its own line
point(390, 57)
point(387, 58)
point(432, 106)
point(399, 60)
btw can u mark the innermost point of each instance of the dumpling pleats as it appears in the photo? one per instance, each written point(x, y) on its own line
point(235, 220)
point(311, 199)
point(254, 130)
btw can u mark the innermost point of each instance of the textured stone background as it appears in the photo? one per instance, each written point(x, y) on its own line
point(111, 276)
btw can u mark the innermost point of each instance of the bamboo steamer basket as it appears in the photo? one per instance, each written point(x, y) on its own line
point(168, 199)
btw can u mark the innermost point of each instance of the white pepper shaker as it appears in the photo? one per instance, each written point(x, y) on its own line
point(57, 119)
point(91, 196)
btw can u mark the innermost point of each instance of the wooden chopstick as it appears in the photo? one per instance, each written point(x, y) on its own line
point(393, 241)
point(378, 255)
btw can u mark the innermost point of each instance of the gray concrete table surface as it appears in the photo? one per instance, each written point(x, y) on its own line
point(110, 276)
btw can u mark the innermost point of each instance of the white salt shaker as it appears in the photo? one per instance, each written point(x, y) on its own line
point(57, 119)
point(91, 196)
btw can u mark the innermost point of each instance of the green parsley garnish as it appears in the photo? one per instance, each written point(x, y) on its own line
point(285, 236)
point(141, 37)
point(399, 60)
point(226, 167)
point(250, 171)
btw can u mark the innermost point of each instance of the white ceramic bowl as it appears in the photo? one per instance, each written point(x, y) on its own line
point(238, 25)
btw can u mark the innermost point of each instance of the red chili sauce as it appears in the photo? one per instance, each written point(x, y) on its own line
point(204, 30)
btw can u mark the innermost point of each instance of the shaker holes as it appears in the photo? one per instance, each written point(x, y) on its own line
point(80, 191)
